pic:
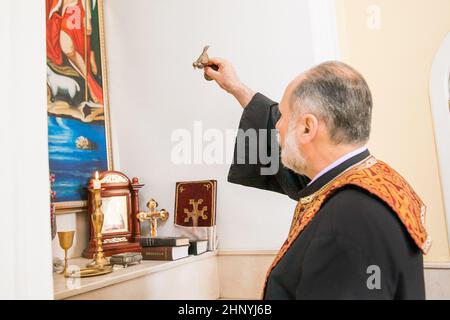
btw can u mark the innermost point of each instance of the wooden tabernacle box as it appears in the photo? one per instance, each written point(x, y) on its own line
point(120, 205)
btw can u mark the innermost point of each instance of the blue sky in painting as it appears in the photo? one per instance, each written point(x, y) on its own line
point(71, 166)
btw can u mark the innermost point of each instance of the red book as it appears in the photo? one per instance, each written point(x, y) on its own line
point(195, 203)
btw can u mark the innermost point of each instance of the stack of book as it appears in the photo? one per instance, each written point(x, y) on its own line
point(171, 248)
point(165, 248)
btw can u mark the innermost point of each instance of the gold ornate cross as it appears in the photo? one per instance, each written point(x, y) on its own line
point(195, 213)
point(153, 215)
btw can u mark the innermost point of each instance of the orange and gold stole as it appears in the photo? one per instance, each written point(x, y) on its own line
point(380, 180)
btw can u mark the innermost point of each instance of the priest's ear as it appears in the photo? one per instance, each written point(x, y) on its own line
point(309, 125)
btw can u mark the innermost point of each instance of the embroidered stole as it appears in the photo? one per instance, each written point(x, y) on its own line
point(380, 180)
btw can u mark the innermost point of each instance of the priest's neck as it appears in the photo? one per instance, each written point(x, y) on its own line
point(327, 160)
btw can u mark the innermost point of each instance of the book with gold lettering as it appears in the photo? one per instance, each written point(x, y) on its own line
point(195, 211)
point(165, 253)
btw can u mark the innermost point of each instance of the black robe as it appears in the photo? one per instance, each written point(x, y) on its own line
point(352, 237)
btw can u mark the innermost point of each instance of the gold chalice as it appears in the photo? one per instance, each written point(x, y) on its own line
point(66, 242)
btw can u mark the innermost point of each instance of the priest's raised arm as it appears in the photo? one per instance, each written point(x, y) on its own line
point(256, 160)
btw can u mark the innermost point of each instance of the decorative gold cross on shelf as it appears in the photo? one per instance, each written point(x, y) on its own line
point(153, 215)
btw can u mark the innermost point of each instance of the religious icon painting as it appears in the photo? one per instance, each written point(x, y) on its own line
point(440, 102)
point(79, 137)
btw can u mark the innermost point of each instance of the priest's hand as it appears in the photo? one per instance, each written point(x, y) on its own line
point(226, 77)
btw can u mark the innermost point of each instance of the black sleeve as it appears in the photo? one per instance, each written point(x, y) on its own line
point(266, 171)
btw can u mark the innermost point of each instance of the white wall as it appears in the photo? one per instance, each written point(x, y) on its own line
point(26, 267)
point(153, 90)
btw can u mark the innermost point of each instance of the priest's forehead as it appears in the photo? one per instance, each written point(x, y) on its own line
point(295, 83)
point(288, 94)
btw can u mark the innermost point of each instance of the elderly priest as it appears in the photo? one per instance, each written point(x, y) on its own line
point(358, 229)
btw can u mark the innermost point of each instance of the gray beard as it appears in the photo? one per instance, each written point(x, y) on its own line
point(291, 156)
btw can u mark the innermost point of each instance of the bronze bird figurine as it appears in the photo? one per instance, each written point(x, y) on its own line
point(202, 62)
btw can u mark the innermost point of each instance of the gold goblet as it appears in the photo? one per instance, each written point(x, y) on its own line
point(66, 242)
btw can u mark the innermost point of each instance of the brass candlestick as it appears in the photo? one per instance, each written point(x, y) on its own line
point(97, 222)
point(66, 242)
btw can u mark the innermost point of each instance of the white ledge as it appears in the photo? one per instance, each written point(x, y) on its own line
point(226, 252)
point(68, 287)
point(230, 252)
point(437, 265)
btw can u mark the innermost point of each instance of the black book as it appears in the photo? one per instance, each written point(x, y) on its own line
point(197, 247)
point(164, 242)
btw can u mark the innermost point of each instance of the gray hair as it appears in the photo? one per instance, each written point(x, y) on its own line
point(339, 95)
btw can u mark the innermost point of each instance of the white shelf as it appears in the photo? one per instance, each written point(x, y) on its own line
point(68, 287)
